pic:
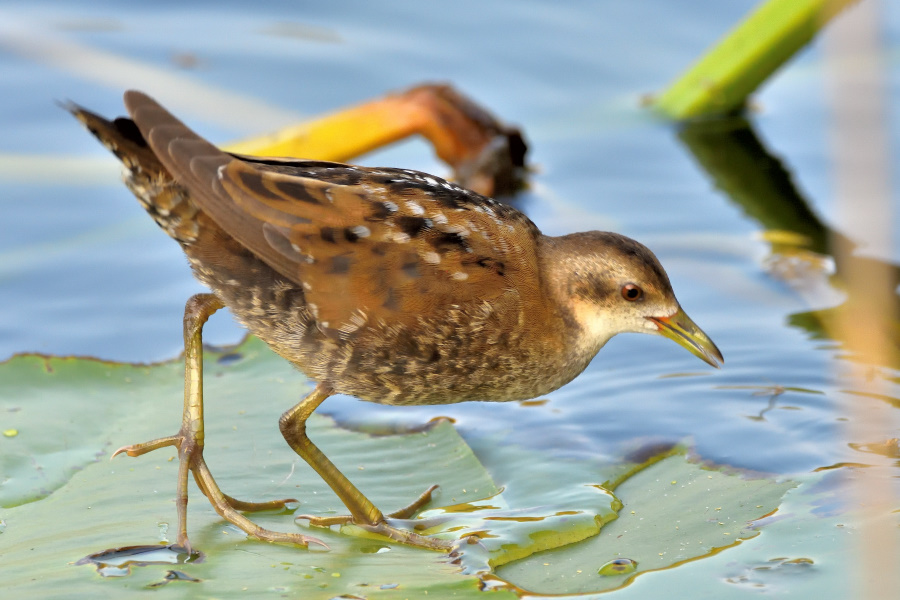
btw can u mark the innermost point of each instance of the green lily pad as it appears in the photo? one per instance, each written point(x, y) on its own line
point(675, 510)
point(65, 500)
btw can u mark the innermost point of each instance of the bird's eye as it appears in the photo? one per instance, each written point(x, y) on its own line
point(632, 292)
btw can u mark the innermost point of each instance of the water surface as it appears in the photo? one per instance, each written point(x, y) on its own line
point(85, 272)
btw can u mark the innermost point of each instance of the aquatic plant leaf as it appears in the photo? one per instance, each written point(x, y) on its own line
point(675, 510)
point(67, 413)
point(65, 500)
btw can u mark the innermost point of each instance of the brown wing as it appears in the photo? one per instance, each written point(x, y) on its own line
point(364, 243)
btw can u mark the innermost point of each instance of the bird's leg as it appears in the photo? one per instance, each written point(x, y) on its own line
point(189, 440)
point(363, 513)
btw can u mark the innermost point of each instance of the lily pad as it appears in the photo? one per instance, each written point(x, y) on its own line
point(674, 511)
point(65, 500)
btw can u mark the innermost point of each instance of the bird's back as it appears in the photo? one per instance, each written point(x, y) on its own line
point(391, 285)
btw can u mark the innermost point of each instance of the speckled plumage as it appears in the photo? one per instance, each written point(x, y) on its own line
point(390, 285)
point(413, 338)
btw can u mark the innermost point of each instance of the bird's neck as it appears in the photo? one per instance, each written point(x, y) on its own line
point(563, 265)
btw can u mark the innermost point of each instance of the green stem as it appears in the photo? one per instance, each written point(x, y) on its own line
point(721, 80)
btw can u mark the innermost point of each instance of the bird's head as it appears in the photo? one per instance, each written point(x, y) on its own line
point(614, 284)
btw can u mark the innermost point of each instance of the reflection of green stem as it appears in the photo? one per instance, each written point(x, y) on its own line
point(721, 80)
point(739, 165)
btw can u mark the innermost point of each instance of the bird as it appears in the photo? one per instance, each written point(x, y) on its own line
point(390, 285)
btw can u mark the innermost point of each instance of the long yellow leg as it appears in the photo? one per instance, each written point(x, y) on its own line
point(189, 441)
point(363, 513)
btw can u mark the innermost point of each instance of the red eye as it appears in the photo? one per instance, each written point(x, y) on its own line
point(632, 292)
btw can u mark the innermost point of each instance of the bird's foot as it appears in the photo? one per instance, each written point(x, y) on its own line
point(190, 456)
point(178, 442)
point(383, 527)
point(386, 529)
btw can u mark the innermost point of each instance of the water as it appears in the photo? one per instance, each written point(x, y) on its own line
point(617, 566)
point(117, 562)
point(83, 270)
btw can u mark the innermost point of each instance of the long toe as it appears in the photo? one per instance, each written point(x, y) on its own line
point(145, 447)
point(408, 511)
point(244, 506)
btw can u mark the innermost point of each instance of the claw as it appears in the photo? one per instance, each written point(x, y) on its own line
point(144, 448)
point(183, 546)
point(312, 540)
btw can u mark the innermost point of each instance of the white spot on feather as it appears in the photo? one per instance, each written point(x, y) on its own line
point(414, 207)
point(457, 229)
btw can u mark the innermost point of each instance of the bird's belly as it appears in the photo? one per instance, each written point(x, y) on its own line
point(443, 372)
point(487, 353)
point(422, 364)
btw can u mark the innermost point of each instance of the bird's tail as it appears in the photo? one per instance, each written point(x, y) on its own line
point(158, 192)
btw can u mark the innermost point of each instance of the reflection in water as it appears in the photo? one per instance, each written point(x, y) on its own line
point(772, 391)
point(618, 566)
point(888, 448)
point(375, 549)
point(818, 262)
point(770, 575)
point(733, 156)
point(117, 562)
point(174, 576)
point(865, 323)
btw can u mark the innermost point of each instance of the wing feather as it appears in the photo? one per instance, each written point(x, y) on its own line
point(364, 243)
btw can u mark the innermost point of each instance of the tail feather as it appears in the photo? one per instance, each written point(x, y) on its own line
point(167, 201)
point(121, 136)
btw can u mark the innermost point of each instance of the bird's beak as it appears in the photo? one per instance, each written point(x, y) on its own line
point(683, 331)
